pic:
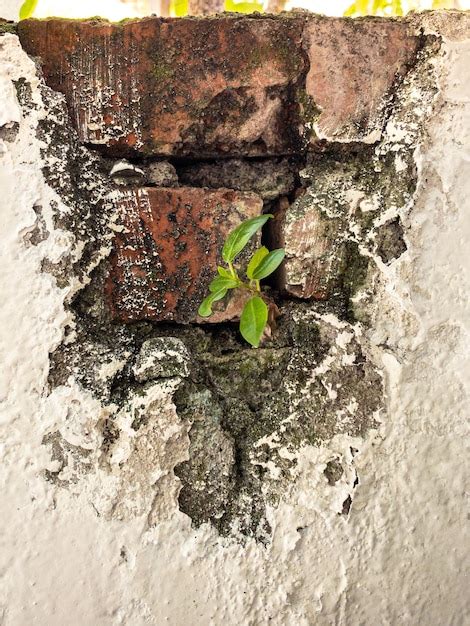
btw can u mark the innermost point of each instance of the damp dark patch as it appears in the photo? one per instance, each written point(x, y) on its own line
point(333, 471)
point(238, 398)
point(9, 132)
point(390, 241)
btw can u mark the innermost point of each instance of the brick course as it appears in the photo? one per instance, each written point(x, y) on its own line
point(224, 86)
point(227, 86)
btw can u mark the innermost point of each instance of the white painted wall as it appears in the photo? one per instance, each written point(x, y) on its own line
point(398, 559)
point(9, 9)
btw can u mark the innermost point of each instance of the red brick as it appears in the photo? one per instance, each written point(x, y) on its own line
point(227, 85)
point(314, 250)
point(181, 86)
point(167, 249)
point(353, 67)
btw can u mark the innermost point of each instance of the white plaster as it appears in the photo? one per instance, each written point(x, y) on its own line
point(398, 558)
point(125, 166)
point(10, 9)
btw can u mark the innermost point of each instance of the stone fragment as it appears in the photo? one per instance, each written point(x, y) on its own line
point(163, 174)
point(161, 357)
point(314, 249)
point(185, 86)
point(268, 178)
point(354, 65)
point(126, 174)
point(166, 250)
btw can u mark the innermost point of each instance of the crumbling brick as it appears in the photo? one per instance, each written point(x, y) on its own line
point(314, 250)
point(166, 250)
point(186, 87)
point(353, 67)
point(225, 86)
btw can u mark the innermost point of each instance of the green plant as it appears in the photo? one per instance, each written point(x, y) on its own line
point(254, 316)
point(374, 7)
point(27, 9)
point(393, 7)
point(179, 8)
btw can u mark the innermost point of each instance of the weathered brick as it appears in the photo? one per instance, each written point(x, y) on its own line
point(314, 250)
point(353, 67)
point(223, 86)
point(166, 250)
point(182, 86)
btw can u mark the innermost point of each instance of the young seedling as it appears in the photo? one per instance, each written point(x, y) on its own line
point(254, 316)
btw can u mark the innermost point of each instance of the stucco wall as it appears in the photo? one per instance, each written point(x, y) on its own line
point(10, 9)
point(113, 546)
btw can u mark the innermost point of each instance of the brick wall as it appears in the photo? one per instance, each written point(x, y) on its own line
point(245, 87)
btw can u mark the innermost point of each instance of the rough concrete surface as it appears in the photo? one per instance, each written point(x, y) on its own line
point(134, 495)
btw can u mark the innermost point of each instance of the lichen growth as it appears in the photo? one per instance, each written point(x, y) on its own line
point(8, 27)
point(162, 71)
point(264, 401)
point(310, 111)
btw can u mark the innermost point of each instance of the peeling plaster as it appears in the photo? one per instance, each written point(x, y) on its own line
point(114, 548)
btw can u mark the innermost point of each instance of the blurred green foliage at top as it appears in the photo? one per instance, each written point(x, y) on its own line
point(243, 7)
point(27, 9)
point(391, 7)
point(179, 8)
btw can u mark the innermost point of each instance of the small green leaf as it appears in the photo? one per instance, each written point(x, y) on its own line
point(255, 260)
point(205, 309)
point(350, 11)
point(224, 272)
point(269, 264)
point(239, 237)
point(221, 282)
point(253, 320)
point(27, 9)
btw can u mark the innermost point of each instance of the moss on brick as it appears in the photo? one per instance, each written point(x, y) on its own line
point(8, 27)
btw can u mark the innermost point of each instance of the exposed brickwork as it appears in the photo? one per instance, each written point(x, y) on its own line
point(314, 251)
point(225, 86)
point(167, 248)
point(177, 86)
point(228, 86)
point(353, 66)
